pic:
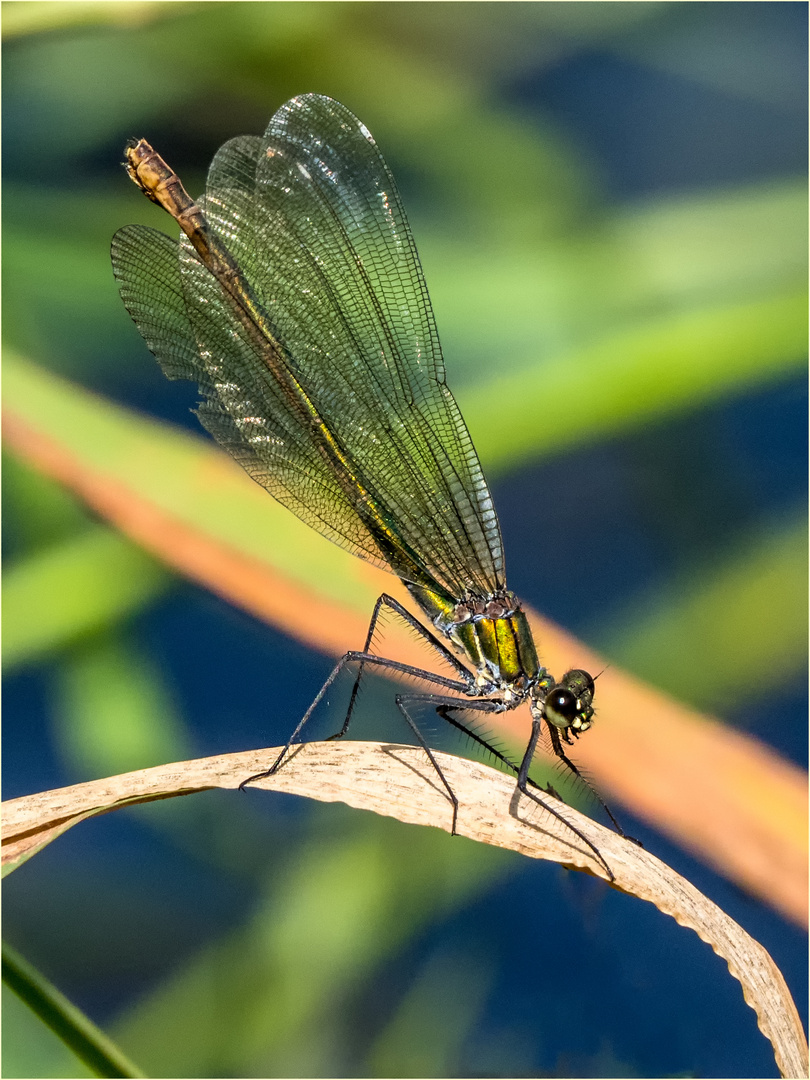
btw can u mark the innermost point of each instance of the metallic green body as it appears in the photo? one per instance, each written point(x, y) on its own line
point(493, 634)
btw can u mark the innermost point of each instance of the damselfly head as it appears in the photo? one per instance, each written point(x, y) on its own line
point(569, 704)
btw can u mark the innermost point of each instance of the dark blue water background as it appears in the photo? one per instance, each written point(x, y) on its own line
point(241, 684)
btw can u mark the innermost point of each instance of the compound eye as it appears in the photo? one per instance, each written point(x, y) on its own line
point(561, 707)
point(580, 682)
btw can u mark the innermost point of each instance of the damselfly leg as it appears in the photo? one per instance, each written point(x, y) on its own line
point(460, 686)
point(446, 706)
point(386, 601)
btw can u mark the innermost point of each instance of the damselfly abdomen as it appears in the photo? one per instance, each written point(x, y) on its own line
point(296, 300)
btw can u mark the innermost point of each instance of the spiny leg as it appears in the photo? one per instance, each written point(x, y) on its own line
point(444, 712)
point(522, 771)
point(336, 670)
point(400, 700)
point(361, 658)
point(482, 705)
point(443, 707)
point(388, 601)
point(556, 744)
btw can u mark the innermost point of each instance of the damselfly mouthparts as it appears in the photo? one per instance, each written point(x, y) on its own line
point(296, 300)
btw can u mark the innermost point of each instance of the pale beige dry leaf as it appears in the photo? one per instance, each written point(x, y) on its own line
point(398, 781)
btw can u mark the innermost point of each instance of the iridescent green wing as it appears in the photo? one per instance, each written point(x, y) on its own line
point(311, 215)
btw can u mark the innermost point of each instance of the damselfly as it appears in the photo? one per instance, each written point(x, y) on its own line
point(296, 300)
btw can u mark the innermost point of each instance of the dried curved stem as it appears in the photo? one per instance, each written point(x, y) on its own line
point(398, 781)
